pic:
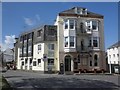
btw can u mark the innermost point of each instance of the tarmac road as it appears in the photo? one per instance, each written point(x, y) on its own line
point(35, 80)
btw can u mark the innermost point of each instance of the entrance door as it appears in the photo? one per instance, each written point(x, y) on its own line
point(67, 63)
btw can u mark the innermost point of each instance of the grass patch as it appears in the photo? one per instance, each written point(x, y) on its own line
point(4, 85)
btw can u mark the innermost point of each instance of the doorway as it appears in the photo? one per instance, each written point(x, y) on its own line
point(67, 63)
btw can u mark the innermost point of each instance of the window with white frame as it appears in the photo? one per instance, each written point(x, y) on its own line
point(66, 41)
point(113, 55)
point(66, 24)
point(29, 49)
point(21, 38)
point(72, 41)
point(34, 63)
point(20, 51)
point(24, 50)
point(30, 36)
point(95, 41)
point(39, 47)
point(26, 61)
point(88, 24)
point(50, 54)
point(30, 61)
point(94, 25)
point(117, 55)
point(71, 24)
point(51, 46)
point(22, 63)
point(39, 61)
point(50, 61)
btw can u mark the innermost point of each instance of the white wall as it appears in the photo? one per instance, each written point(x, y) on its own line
point(38, 55)
point(113, 59)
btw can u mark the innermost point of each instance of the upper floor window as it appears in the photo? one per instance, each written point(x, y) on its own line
point(51, 32)
point(113, 55)
point(66, 41)
point(20, 50)
point(24, 49)
point(117, 55)
point(39, 47)
point(21, 38)
point(50, 54)
point(110, 56)
point(25, 37)
point(90, 43)
point(51, 46)
point(30, 36)
point(72, 41)
point(66, 24)
point(94, 25)
point(84, 11)
point(39, 33)
point(95, 41)
point(71, 23)
point(29, 48)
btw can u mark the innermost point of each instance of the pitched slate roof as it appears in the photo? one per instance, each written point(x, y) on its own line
point(72, 12)
point(115, 45)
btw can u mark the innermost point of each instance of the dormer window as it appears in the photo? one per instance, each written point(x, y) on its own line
point(84, 11)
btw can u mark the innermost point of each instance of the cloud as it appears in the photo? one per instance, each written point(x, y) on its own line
point(32, 21)
point(9, 39)
point(28, 21)
point(8, 42)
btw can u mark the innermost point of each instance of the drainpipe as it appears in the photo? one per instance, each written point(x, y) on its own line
point(110, 67)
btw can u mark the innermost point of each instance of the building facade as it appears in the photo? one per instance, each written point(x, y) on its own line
point(74, 43)
point(36, 49)
point(113, 54)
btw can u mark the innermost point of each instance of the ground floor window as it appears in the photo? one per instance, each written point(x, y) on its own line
point(75, 65)
point(30, 61)
point(50, 61)
point(34, 63)
point(90, 62)
point(22, 63)
point(39, 61)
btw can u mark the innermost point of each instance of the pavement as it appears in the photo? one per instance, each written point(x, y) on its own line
point(35, 80)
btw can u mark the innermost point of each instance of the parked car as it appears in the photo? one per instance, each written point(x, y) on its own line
point(3, 69)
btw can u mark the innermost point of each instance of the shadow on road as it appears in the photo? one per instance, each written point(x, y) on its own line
point(12, 76)
point(54, 82)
